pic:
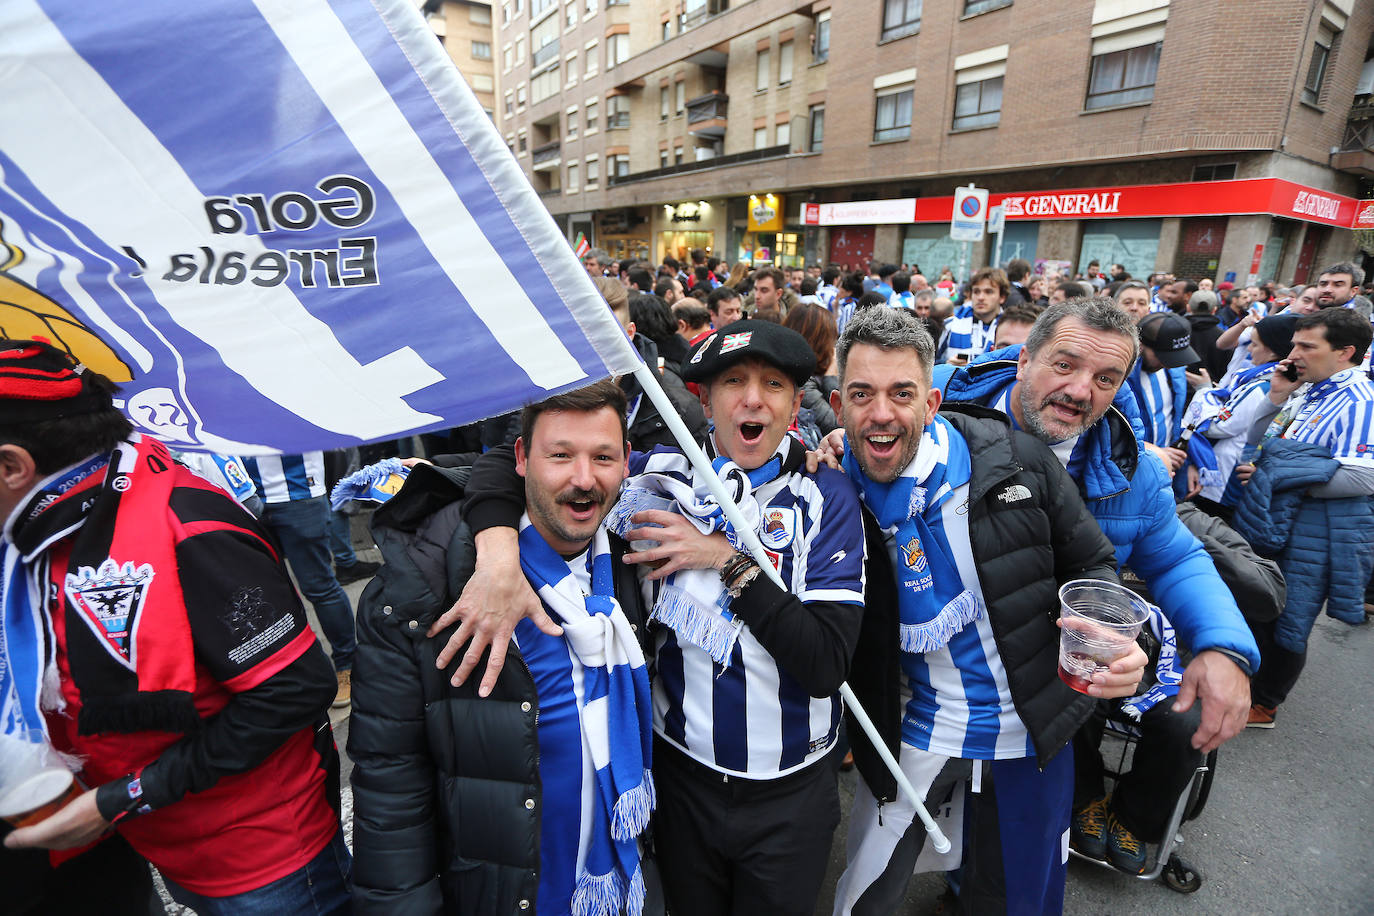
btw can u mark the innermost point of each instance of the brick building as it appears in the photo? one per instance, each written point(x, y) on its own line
point(465, 29)
point(1160, 135)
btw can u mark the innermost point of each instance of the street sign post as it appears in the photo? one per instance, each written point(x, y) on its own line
point(997, 222)
point(967, 221)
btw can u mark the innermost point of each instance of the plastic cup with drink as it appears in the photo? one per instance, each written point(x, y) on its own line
point(648, 501)
point(34, 782)
point(1098, 622)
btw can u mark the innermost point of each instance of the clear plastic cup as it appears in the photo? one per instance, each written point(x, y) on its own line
point(646, 501)
point(1099, 621)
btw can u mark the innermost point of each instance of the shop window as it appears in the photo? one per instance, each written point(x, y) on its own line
point(1123, 77)
point(892, 115)
point(900, 18)
point(816, 117)
point(978, 104)
point(820, 39)
point(1316, 69)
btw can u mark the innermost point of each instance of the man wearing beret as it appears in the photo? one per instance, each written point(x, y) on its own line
point(746, 711)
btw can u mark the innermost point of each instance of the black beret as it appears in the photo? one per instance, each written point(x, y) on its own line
point(765, 340)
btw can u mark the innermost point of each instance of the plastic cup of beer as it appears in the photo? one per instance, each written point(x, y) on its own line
point(646, 501)
point(34, 783)
point(1098, 622)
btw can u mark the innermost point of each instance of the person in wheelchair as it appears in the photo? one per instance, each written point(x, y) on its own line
point(1065, 386)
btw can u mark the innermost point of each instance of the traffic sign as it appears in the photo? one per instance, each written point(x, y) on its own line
point(996, 218)
point(970, 214)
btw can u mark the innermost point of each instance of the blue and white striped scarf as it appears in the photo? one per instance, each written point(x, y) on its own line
point(615, 711)
point(1167, 674)
point(933, 604)
point(693, 602)
point(967, 334)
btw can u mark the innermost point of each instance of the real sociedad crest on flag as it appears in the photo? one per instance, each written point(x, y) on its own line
point(280, 225)
point(109, 600)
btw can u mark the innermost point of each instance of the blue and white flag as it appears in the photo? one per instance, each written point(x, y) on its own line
point(281, 225)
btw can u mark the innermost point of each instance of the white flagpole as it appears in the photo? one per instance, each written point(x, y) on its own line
point(649, 382)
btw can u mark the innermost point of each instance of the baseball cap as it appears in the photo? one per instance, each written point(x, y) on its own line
point(765, 340)
point(1170, 337)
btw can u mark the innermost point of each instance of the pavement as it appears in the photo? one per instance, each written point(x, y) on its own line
point(1285, 830)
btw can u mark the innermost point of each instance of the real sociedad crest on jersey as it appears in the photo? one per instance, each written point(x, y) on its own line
point(109, 600)
point(778, 526)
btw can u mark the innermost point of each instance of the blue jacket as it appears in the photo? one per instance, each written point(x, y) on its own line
point(1128, 491)
point(1325, 547)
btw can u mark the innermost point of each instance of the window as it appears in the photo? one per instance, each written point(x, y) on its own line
point(663, 104)
point(538, 6)
point(593, 171)
point(507, 58)
point(820, 38)
point(679, 97)
point(784, 134)
point(520, 96)
point(572, 123)
point(760, 137)
point(545, 84)
point(592, 115)
point(479, 15)
point(481, 50)
point(677, 155)
point(617, 49)
point(617, 112)
point(1123, 77)
point(590, 8)
point(663, 158)
point(974, 7)
point(518, 5)
point(1316, 70)
point(510, 103)
point(784, 63)
point(572, 176)
point(761, 67)
point(619, 165)
point(817, 124)
point(570, 15)
point(590, 68)
point(892, 115)
point(1225, 171)
point(570, 65)
point(520, 50)
point(667, 29)
point(900, 18)
point(482, 82)
point(978, 104)
point(505, 14)
point(522, 143)
point(610, 3)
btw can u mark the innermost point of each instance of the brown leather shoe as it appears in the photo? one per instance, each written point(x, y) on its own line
point(345, 695)
point(1261, 716)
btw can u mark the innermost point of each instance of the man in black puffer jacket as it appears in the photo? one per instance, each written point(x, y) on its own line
point(469, 805)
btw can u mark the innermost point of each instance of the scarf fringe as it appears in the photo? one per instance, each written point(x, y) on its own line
point(156, 710)
point(599, 895)
point(630, 816)
point(713, 630)
point(939, 630)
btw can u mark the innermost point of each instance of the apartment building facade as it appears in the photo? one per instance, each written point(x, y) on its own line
point(464, 27)
point(1212, 137)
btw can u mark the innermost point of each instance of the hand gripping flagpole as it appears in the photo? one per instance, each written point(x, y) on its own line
point(648, 380)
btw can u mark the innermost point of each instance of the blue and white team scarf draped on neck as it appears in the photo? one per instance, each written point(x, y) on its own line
point(693, 602)
point(615, 713)
point(933, 604)
point(28, 664)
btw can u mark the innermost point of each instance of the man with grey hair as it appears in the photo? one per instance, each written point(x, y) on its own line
point(596, 261)
point(957, 661)
point(1065, 387)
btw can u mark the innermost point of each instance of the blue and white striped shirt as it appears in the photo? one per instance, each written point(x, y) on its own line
point(1158, 409)
point(966, 335)
point(752, 718)
point(1339, 414)
point(286, 478)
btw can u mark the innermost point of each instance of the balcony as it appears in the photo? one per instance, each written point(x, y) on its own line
point(544, 55)
point(1356, 153)
point(547, 156)
point(753, 155)
point(706, 115)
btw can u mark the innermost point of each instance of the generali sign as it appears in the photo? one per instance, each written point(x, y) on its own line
point(1272, 196)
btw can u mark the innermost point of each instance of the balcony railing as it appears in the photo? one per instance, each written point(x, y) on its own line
point(707, 107)
point(546, 154)
point(544, 54)
point(753, 155)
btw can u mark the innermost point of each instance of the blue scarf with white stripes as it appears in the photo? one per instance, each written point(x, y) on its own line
point(967, 334)
point(615, 712)
point(933, 604)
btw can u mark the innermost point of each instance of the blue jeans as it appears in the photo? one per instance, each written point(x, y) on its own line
point(322, 887)
point(341, 539)
point(302, 527)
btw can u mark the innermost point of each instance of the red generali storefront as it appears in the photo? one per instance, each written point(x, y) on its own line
point(1066, 229)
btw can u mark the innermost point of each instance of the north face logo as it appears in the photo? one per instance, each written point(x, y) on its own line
point(1014, 494)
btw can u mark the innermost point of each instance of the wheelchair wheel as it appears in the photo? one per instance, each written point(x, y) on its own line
point(1180, 876)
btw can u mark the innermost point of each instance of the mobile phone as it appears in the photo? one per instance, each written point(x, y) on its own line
point(1290, 372)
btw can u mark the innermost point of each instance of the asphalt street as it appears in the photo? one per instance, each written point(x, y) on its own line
point(1286, 829)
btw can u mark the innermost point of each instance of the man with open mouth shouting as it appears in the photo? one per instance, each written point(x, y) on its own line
point(746, 714)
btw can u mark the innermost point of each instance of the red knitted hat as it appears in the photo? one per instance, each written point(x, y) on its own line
point(40, 382)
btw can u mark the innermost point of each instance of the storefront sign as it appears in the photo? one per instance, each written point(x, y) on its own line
point(765, 213)
point(1068, 203)
point(860, 213)
point(1364, 215)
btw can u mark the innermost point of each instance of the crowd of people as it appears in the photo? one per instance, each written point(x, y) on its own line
point(573, 686)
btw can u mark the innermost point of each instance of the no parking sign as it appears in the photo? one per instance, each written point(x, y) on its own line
point(970, 214)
